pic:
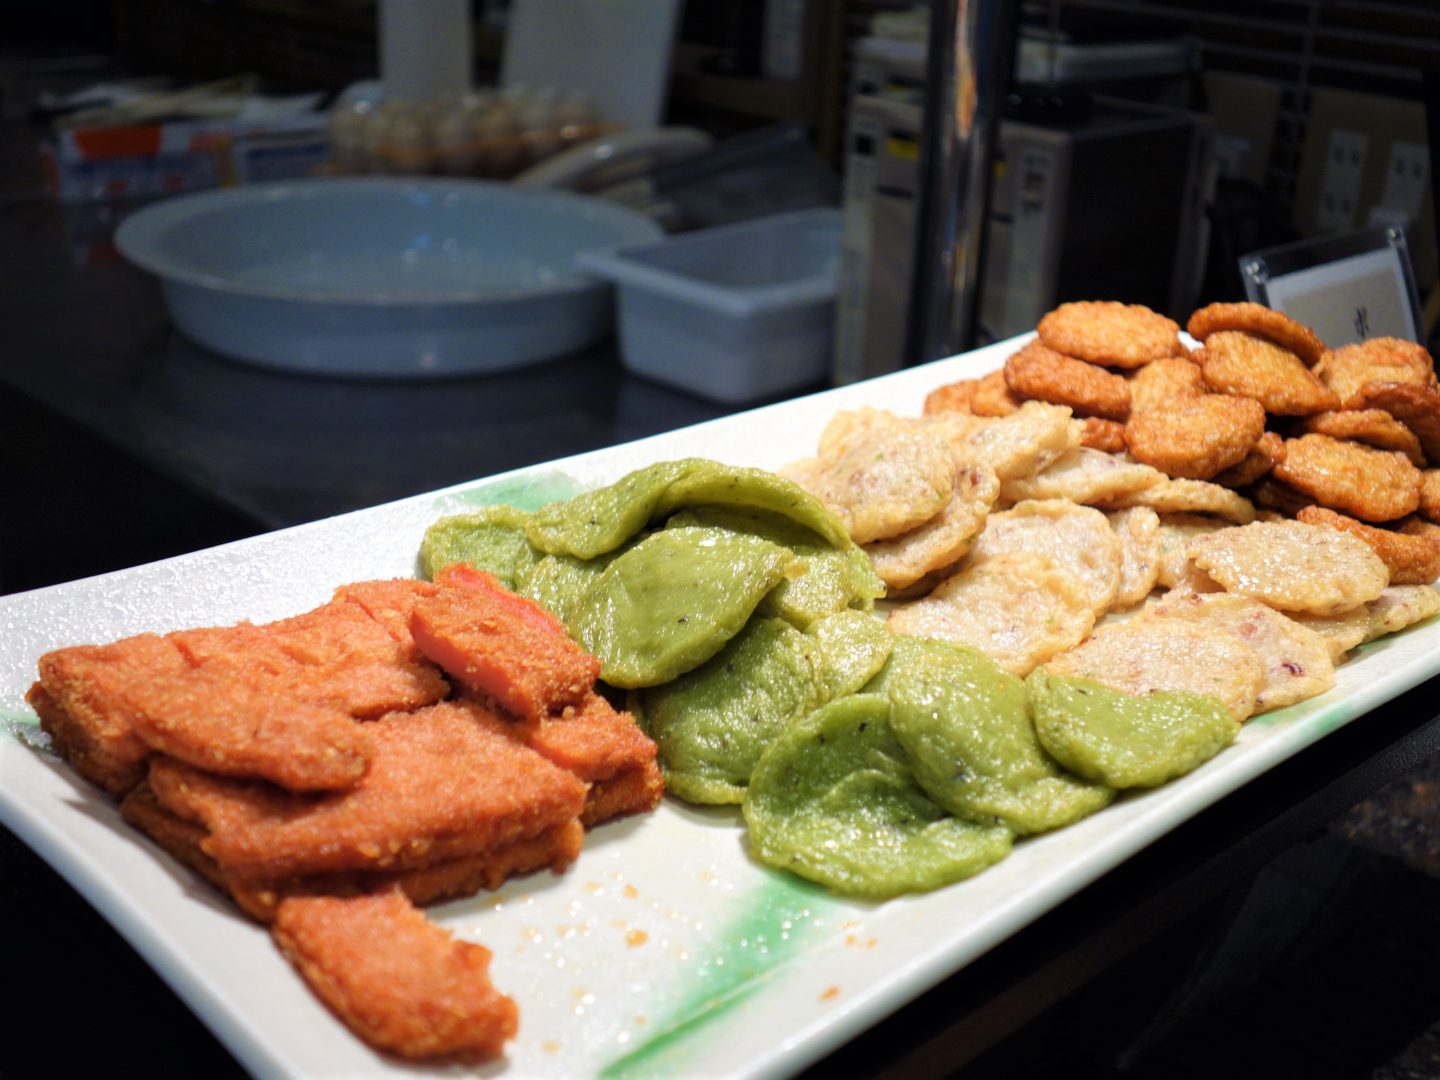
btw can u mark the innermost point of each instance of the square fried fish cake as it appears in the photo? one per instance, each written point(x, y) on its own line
point(441, 784)
point(1144, 655)
point(1018, 609)
point(1110, 333)
point(1370, 484)
point(1248, 366)
point(1251, 318)
point(1373, 427)
point(1411, 560)
point(1194, 438)
point(1296, 659)
point(1292, 566)
point(1041, 374)
point(944, 539)
point(400, 982)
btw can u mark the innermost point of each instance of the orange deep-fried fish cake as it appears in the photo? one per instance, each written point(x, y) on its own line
point(1196, 437)
point(1373, 427)
point(85, 707)
point(1348, 369)
point(992, 397)
point(952, 397)
point(1430, 495)
point(1106, 435)
point(1163, 381)
point(1242, 364)
point(501, 644)
point(1373, 485)
point(1262, 458)
point(394, 978)
point(1258, 320)
point(389, 603)
point(1041, 374)
point(1411, 560)
point(1110, 333)
point(441, 785)
point(1417, 407)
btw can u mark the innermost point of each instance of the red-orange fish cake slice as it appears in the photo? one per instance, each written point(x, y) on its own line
point(502, 645)
point(397, 980)
point(442, 783)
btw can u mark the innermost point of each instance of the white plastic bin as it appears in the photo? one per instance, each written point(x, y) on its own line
point(732, 313)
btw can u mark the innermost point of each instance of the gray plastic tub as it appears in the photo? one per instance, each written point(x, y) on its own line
point(731, 313)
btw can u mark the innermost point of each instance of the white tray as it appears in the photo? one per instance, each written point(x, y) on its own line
point(663, 950)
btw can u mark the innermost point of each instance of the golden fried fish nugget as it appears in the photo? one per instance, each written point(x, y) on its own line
point(1077, 539)
point(1296, 659)
point(1347, 369)
point(1041, 374)
point(1262, 458)
point(992, 396)
point(1373, 427)
point(1258, 320)
point(1292, 566)
point(1163, 381)
point(1248, 366)
point(1106, 435)
point(1146, 655)
point(880, 481)
point(1138, 530)
point(1370, 484)
point(1430, 495)
point(1400, 606)
point(1019, 610)
point(1417, 407)
point(1110, 333)
point(952, 397)
point(1194, 438)
point(1083, 476)
point(1411, 560)
point(944, 539)
point(1278, 497)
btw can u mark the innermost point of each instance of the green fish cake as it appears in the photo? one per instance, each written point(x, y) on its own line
point(1127, 740)
point(672, 601)
point(493, 538)
point(854, 647)
point(712, 724)
point(834, 800)
point(966, 725)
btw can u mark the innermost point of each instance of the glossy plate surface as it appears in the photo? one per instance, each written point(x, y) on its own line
point(663, 951)
point(394, 278)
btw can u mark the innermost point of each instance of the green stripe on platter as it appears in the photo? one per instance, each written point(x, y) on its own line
point(529, 492)
point(777, 921)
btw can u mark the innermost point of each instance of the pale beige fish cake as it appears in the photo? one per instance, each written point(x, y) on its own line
point(944, 539)
point(1138, 530)
point(1077, 539)
point(1292, 566)
point(1176, 530)
point(1190, 581)
point(1020, 444)
point(1019, 610)
point(848, 423)
point(1400, 606)
point(1083, 475)
point(1161, 382)
point(1341, 632)
point(881, 481)
point(1144, 655)
point(1411, 559)
point(1190, 497)
point(1296, 659)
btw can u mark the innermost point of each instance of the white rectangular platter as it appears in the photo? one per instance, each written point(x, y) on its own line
point(664, 950)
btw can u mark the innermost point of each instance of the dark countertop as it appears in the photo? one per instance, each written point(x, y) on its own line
point(122, 442)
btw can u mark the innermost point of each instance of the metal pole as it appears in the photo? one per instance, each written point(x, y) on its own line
point(971, 46)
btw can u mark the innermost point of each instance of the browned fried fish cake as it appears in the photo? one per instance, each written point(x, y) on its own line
point(1430, 495)
point(1261, 321)
point(1262, 458)
point(1370, 484)
point(1163, 381)
point(1042, 374)
point(400, 982)
point(1195, 438)
point(1373, 427)
point(993, 397)
point(1234, 362)
point(1348, 369)
point(1110, 333)
point(1415, 406)
point(1106, 435)
point(441, 784)
point(1411, 560)
point(1279, 497)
